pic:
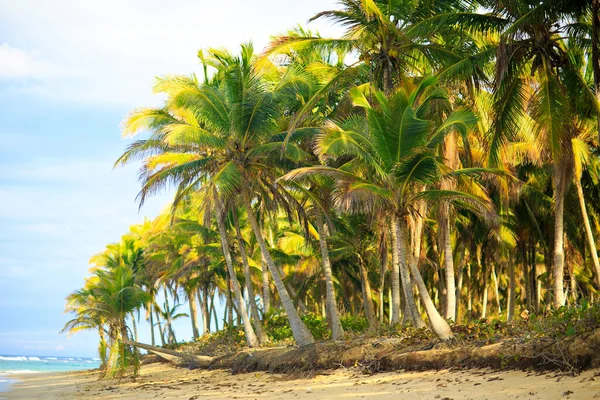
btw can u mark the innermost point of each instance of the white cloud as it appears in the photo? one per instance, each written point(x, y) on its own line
point(17, 63)
point(43, 228)
point(113, 49)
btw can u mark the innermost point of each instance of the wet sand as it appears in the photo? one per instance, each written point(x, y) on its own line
point(162, 381)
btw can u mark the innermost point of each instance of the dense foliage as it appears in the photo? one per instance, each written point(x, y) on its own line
point(438, 163)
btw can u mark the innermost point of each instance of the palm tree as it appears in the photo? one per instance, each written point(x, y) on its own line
point(220, 146)
point(392, 164)
point(533, 44)
point(108, 298)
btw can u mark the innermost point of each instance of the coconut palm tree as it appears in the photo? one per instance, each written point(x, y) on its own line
point(219, 139)
point(108, 298)
point(392, 164)
point(533, 70)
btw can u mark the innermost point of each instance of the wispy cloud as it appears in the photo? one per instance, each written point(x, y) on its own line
point(18, 63)
point(117, 47)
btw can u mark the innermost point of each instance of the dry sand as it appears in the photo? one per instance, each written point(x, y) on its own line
point(161, 381)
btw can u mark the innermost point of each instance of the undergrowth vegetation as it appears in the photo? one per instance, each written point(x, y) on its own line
point(551, 332)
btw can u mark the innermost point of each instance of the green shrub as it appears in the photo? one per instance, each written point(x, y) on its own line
point(317, 325)
point(353, 323)
point(567, 321)
point(278, 327)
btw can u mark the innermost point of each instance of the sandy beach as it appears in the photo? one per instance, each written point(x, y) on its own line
point(163, 381)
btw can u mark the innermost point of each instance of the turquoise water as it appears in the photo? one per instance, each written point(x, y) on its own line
point(10, 365)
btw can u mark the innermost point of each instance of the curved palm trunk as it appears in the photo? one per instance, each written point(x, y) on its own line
point(400, 238)
point(295, 298)
point(193, 314)
point(439, 326)
point(332, 312)
point(417, 235)
point(588, 230)
point(301, 334)
point(559, 251)
point(240, 304)
point(260, 331)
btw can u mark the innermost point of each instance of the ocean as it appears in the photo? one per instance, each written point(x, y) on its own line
point(10, 365)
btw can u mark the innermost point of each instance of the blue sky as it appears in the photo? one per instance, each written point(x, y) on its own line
point(70, 71)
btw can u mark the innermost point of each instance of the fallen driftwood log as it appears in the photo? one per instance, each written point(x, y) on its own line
point(175, 357)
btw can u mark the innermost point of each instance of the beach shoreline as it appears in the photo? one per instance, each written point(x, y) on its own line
point(165, 381)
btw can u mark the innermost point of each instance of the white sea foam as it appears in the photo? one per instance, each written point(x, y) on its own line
point(16, 358)
point(19, 371)
point(34, 359)
point(51, 358)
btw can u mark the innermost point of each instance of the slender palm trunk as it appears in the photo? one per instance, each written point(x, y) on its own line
point(151, 318)
point(459, 286)
point(228, 317)
point(260, 331)
point(295, 297)
point(367, 296)
point(588, 230)
point(484, 299)
point(213, 311)
point(265, 286)
point(395, 278)
point(445, 246)
point(469, 293)
point(333, 316)
point(171, 333)
point(239, 301)
point(511, 291)
point(205, 309)
point(193, 314)
point(134, 326)
point(496, 289)
point(415, 252)
point(301, 334)
point(450, 154)
point(399, 235)
point(559, 252)
point(160, 329)
point(384, 262)
point(390, 305)
point(439, 326)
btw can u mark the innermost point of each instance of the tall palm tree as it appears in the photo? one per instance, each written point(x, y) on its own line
point(392, 162)
point(219, 139)
point(534, 45)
